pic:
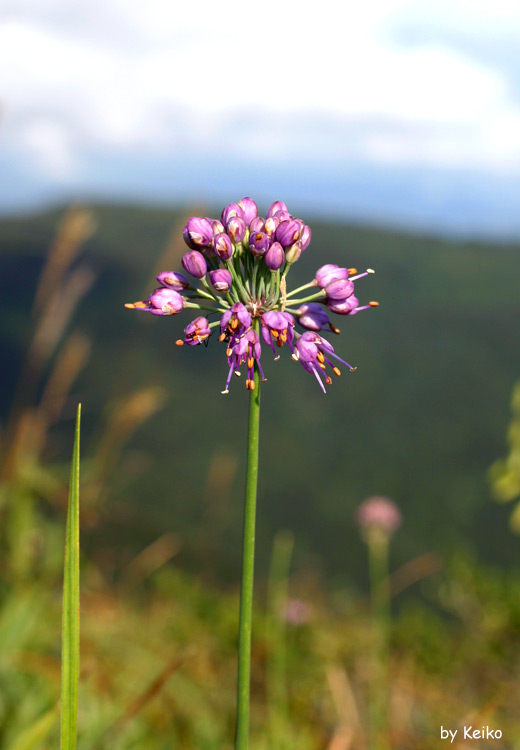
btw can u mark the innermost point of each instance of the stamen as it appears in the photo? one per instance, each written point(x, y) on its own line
point(179, 342)
point(224, 392)
point(322, 365)
point(229, 352)
point(295, 355)
point(129, 305)
point(222, 336)
point(353, 369)
point(283, 335)
point(279, 343)
point(320, 357)
point(274, 332)
point(374, 303)
point(234, 323)
point(333, 328)
point(250, 362)
point(336, 371)
point(238, 373)
point(251, 385)
point(328, 380)
point(352, 271)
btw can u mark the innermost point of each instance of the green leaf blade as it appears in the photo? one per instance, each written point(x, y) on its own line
point(70, 616)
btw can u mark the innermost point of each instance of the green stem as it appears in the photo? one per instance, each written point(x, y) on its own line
point(318, 295)
point(381, 618)
point(248, 562)
point(301, 288)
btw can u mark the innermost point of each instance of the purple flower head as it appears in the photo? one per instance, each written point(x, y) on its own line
point(249, 209)
point(223, 246)
point(288, 232)
point(379, 513)
point(161, 302)
point(314, 353)
point(339, 289)
point(198, 232)
point(236, 228)
point(220, 280)
point(276, 206)
point(173, 280)
point(293, 253)
point(270, 227)
point(259, 243)
point(233, 209)
point(282, 215)
point(278, 327)
point(195, 264)
point(275, 257)
point(313, 317)
point(305, 237)
point(195, 332)
point(328, 273)
point(257, 225)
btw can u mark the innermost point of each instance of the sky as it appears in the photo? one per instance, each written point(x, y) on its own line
point(389, 112)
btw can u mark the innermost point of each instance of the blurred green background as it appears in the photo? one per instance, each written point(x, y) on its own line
point(422, 420)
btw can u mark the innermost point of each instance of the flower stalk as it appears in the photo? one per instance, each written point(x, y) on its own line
point(248, 565)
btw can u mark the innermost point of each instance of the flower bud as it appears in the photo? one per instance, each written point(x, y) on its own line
point(218, 227)
point(223, 246)
point(343, 306)
point(195, 264)
point(233, 209)
point(198, 232)
point(282, 215)
point(259, 243)
point(257, 225)
point(165, 302)
point(288, 232)
point(276, 206)
point(173, 280)
point(305, 238)
point(275, 257)
point(249, 210)
point(292, 254)
point(339, 289)
point(271, 225)
point(328, 273)
point(236, 228)
point(220, 280)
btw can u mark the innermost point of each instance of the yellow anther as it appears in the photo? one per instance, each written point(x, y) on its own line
point(130, 305)
point(320, 357)
point(352, 271)
point(250, 362)
point(283, 336)
point(336, 371)
point(222, 336)
point(229, 352)
point(179, 342)
point(275, 332)
point(374, 303)
point(234, 323)
point(322, 365)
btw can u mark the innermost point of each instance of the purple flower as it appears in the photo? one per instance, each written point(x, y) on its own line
point(343, 306)
point(276, 206)
point(198, 232)
point(236, 320)
point(259, 243)
point(195, 264)
point(236, 228)
point(312, 316)
point(218, 227)
point(220, 280)
point(331, 272)
point(288, 232)
point(275, 257)
point(244, 349)
point(314, 352)
point(161, 302)
point(173, 280)
point(249, 209)
point(195, 332)
point(233, 209)
point(339, 289)
point(223, 246)
point(278, 327)
point(379, 513)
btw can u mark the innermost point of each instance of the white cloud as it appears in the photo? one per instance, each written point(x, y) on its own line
point(266, 80)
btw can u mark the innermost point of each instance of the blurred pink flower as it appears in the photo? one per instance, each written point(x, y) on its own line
point(379, 512)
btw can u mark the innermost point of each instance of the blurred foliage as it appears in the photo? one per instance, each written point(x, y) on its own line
point(161, 497)
point(505, 474)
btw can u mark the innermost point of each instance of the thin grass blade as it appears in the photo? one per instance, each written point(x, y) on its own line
point(70, 621)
